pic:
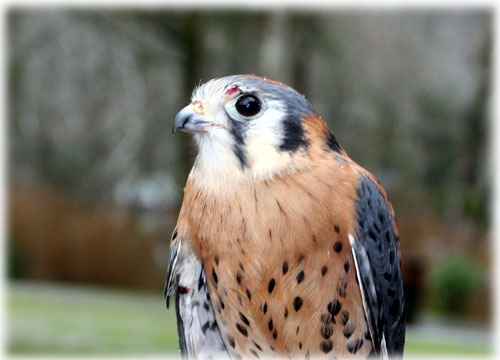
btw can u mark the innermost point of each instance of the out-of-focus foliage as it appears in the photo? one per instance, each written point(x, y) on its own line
point(96, 178)
point(453, 282)
point(15, 264)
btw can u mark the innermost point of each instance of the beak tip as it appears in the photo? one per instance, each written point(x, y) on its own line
point(189, 122)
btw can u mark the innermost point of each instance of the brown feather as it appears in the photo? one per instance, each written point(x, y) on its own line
point(284, 281)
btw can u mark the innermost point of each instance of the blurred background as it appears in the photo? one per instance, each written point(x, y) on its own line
point(96, 178)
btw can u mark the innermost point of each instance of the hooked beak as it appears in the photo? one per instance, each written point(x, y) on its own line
point(188, 121)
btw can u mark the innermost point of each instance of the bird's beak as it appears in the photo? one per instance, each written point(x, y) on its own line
point(191, 121)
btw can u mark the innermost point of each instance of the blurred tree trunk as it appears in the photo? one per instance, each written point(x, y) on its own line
point(185, 30)
point(474, 139)
point(274, 48)
point(302, 50)
point(191, 39)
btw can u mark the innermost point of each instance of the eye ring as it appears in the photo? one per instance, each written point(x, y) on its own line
point(248, 105)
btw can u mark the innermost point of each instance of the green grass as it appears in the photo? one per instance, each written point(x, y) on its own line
point(63, 320)
point(55, 320)
point(416, 345)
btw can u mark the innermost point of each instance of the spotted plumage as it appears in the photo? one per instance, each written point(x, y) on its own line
point(284, 246)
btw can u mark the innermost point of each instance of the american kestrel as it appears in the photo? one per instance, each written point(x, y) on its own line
point(284, 246)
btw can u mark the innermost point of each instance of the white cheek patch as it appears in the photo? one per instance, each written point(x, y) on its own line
point(265, 160)
point(267, 128)
point(263, 138)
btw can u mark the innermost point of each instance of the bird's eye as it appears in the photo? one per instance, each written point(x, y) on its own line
point(248, 105)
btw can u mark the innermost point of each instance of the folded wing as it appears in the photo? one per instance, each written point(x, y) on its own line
point(199, 336)
point(378, 269)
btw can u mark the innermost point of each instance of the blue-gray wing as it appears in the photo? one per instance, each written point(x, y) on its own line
point(199, 336)
point(378, 268)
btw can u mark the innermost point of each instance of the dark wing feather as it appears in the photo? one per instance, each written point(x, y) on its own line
point(199, 335)
point(378, 269)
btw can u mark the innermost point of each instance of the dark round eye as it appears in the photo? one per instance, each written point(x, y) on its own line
point(248, 105)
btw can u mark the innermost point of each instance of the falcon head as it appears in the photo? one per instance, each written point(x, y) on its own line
point(250, 128)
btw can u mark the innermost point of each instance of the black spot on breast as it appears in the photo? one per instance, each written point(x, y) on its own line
point(230, 340)
point(324, 270)
point(281, 209)
point(341, 288)
point(254, 353)
point(270, 325)
point(264, 309)
point(300, 345)
point(336, 228)
point(354, 345)
point(271, 285)
point(214, 277)
point(205, 327)
point(174, 235)
point(216, 260)
point(206, 307)
point(182, 290)
point(300, 277)
point(249, 294)
point(201, 282)
point(326, 331)
point(242, 268)
point(326, 318)
point(286, 313)
point(244, 319)
point(334, 307)
point(297, 303)
point(348, 330)
point(238, 277)
point(275, 334)
point(257, 346)
point(345, 318)
point(222, 305)
point(301, 257)
point(337, 247)
point(326, 346)
point(285, 267)
point(368, 336)
point(242, 329)
point(347, 265)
